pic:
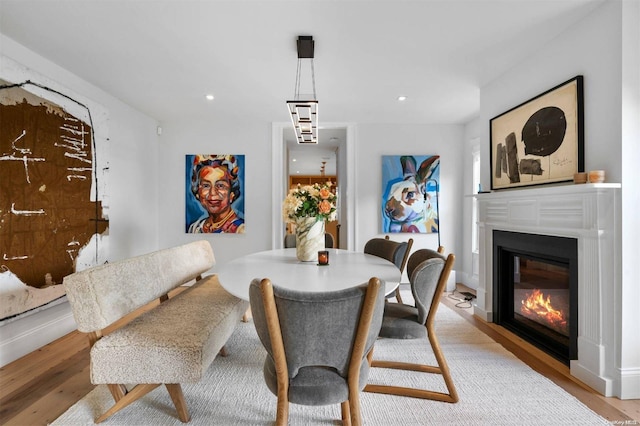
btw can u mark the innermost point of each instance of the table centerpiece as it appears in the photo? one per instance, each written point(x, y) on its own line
point(308, 207)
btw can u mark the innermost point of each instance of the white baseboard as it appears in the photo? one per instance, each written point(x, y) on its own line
point(25, 335)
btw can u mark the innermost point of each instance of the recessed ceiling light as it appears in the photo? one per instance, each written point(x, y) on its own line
point(293, 159)
point(402, 98)
point(209, 97)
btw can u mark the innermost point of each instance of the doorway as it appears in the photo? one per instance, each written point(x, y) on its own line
point(343, 145)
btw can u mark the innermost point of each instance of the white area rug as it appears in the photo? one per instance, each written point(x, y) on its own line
point(495, 388)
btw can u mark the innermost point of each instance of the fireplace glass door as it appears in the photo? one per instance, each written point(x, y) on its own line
point(536, 290)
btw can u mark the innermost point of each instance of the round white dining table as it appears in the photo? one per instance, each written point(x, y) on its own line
point(345, 269)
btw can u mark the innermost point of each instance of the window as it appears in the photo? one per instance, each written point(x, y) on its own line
point(475, 152)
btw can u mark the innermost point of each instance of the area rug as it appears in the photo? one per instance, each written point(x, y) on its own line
point(495, 388)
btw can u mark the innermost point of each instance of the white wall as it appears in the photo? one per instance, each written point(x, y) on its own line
point(593, 48)
point(216, 137)
point(590, 48)
point(371, 142)
point(630, 250)
point(133, 195)
point(374, 141)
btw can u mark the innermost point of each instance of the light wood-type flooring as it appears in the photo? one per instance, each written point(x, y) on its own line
point(39, 387)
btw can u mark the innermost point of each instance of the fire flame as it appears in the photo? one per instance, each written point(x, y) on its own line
point(539, 306)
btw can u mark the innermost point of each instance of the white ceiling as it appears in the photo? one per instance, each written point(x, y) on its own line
point(162, 57)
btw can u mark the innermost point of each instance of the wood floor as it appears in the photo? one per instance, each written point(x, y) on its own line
point(39, 387)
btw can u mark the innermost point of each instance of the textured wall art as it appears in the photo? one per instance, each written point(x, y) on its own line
point(410, 190)
point(51, 214)
point(540, 141)
point(214, 194)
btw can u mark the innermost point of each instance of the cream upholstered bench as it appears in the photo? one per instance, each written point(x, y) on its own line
point(171, 343)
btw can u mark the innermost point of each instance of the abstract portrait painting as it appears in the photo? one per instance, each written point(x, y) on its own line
point(539, 141)
point(214, 194)
point(410, 190)
point(53, 218)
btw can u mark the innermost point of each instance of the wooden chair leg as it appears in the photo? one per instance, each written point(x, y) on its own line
point(354, 409)
point(442, 368)
point(134, 394)
point(247, 315)
point(175, 391)
point(398, 297)
point(346, 413)
point(282, 413)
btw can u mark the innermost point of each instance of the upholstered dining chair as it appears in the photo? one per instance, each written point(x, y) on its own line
point(328, 240)
point(428, 272)
point(393, 251)
point(289, 240)
point(317, 343)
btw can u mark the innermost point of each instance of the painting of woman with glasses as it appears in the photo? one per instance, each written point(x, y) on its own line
point(214, 201)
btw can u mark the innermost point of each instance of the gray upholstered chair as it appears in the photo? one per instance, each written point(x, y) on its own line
point(428, 272)
point(317, 343)
point(393, 251)
point(289, 240)
point(328, 240)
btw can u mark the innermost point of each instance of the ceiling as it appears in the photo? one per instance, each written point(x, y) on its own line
point(163, 57)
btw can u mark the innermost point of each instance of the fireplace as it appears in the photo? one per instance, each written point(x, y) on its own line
point(589, 215)
point(536, 290)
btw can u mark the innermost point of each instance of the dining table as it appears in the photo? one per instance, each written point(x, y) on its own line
point(345, 269)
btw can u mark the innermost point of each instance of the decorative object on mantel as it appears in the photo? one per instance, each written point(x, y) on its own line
point(596, 176)
point(308, 207)
point(304, 108)
point(580, 177)
point(541, 140)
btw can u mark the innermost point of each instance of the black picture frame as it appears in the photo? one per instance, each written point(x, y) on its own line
point(540, 141)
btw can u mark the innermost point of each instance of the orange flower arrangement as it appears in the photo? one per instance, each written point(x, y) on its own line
point(309, 201)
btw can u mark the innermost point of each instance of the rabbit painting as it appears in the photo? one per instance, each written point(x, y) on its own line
point(409, 201)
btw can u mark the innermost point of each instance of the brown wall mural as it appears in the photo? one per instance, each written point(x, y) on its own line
point(49, 207)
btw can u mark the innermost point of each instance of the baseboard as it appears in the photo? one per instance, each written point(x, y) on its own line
point(25, 335)
point(629, 383)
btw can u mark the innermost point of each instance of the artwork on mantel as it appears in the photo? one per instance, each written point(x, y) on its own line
point(53, 214)
point(214, 194)
point(540, 141)
point(410, 193)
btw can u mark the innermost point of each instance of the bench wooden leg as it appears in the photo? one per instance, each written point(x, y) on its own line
point(117, 391)
point(134, 394)
point(175, 391)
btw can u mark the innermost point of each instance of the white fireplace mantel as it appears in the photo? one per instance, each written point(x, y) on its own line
point(591, 214)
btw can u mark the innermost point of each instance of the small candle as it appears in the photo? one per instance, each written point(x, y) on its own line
point(323, 257)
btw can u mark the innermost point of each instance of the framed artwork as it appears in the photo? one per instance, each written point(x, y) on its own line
point(540, 141)
point(53, 174)
point(214, 194)
point(410, 190)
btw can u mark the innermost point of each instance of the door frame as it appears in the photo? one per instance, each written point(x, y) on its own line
point(347, 183)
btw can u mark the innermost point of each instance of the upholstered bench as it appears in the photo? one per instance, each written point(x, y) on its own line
point(171, 343)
